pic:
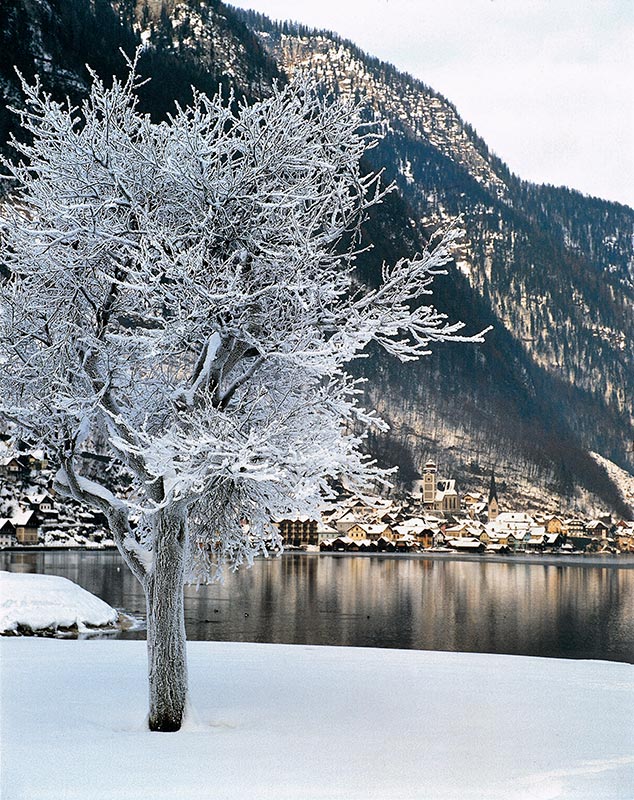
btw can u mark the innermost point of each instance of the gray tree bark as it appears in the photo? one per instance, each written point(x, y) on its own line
point(166, 641)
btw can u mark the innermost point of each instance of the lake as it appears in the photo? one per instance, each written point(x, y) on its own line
point(564, 609)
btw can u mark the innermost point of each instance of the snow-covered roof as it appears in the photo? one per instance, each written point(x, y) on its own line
point(465, 543)
point(375, 528)
point(348, 516)
point(38, 498)
point(498, 535)
point(514, 516)
point(413, 522)
point(22, 517)
point(6, 460)
point(295, 518)
point(596, 523)
point(407, 530)
point(515, 522)
point(372, 503)
point(371, 528)
point(445, 488)
point(326, 529)
point(455, 529)
point(472, 497)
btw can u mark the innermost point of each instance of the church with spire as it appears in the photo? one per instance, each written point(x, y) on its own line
point(437, 494)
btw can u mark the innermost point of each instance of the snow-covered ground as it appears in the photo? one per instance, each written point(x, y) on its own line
point(300, 722)
point(39, 602)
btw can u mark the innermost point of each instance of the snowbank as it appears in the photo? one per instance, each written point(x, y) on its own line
point(40, 602)
point(307, 723)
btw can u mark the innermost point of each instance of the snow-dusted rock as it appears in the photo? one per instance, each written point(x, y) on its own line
point(41, 602)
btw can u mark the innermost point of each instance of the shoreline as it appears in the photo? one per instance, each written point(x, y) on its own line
point(609, 560)
point(62, 548)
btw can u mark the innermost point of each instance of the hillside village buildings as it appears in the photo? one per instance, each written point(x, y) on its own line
point(432, 517)
point(31, 514)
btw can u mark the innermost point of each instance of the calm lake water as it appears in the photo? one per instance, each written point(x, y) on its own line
point(563, 610)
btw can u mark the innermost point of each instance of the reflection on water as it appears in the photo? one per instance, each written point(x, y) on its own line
point(523, 608)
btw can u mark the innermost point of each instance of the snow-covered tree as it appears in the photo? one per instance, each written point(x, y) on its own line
point(183, 295)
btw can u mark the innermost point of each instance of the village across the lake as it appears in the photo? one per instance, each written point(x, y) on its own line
point(432, 517)
point(436, 518)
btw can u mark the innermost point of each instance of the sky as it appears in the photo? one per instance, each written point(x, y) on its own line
point(548, 84)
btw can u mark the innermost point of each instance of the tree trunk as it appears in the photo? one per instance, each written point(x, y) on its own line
point(166, 641)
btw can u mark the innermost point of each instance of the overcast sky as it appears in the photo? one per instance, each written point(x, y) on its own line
point(548, 84)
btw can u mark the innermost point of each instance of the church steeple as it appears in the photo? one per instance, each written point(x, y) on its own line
point(493, 504)
point(429, 483)
point(493, 493)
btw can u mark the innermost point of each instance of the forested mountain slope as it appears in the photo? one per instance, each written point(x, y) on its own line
point(555, 269)
point(202, 45)
point(552, 270)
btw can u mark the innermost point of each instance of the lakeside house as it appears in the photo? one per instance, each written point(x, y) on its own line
point(7, 533)
point(598, 529)
point(370, 531)
point(26, 526)
point(299, 531)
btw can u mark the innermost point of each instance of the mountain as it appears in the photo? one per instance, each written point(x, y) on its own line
point(204, 46)
point(550, 269)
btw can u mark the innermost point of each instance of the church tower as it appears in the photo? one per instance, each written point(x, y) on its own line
point(493, 505)
point(429, 483)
